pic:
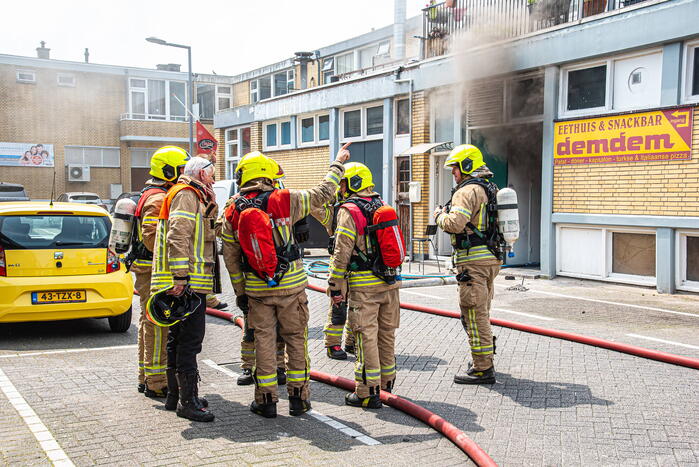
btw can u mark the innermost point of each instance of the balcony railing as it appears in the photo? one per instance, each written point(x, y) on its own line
point(490, 20)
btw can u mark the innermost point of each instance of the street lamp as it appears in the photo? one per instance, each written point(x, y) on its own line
point(155, 40)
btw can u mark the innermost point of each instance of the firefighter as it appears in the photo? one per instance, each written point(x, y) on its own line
point(275, 305)
point(476, 264)
point(373, 304)
point(333, 332)
point(166, 165)
point(185, 261)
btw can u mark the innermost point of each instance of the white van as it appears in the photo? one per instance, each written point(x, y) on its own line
point(224, 189)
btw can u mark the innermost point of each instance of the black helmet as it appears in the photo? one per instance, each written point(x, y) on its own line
point(165, 310)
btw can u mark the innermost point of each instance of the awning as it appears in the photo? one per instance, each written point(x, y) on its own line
point(429, 148)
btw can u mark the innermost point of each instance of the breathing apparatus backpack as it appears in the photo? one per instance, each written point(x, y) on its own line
point(491, 236)
point(138, 249)
point(255, 215)
point(385, 247)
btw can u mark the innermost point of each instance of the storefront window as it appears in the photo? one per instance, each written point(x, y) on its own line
point(633, 253)
point(352, 124)
point(693, 259)
point(587, 88)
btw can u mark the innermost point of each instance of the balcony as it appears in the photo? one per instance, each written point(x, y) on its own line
point(482, 21)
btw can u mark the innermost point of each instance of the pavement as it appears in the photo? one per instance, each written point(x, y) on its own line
point(68, 390)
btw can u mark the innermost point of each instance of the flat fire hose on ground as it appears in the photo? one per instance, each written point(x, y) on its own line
point(456, 436)
point(587, 340)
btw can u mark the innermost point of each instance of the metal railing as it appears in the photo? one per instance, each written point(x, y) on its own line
point(490, 20)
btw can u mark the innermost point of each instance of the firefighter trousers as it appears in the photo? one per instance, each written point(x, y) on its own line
point(374, 318)
point(152, 340)
point(474, 300)
point(333, 332)
point(286, 315)
point(185, 340)
point(247, 347)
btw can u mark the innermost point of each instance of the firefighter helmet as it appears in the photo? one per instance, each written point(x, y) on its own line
point(165, 310)
point(358, 177)
point(256, 165)
point(465, 156)
point(168, 162)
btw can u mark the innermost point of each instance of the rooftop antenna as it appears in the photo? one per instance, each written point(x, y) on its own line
point(53, 186)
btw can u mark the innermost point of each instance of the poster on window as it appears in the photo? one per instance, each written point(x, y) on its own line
point(660, 135)
point(26, 154)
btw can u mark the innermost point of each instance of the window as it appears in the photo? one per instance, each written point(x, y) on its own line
point(695, 71)
point(307, 130)
point(313, 130)
point(254, 95)
point(374, 120)
point(205, 99)
point(237, 141)
point(403, 117)
point(265, 87)
point(352, 124)
point(367, 55)
point(36, 232)
point(280, 85)
point(140, 157)
point(324, 127)
point(328, 69)
point(271, 132)
point(526, 97)
point(64, 79)
point(277, 135)
point(26, 76)
point(157, 99)
point(587, 88)
point(443, 112)
point(223, 97)
point(94, 156)
point(633, 254)
point(344, 63)
point(691, 75)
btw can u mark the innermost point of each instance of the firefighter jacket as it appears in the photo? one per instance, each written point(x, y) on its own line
point(302, 202)
point(346, 240)
point(185, 243)
point(148, 222)
point(324, 215)
point(468, 204)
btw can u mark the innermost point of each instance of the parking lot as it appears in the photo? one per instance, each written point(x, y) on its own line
point(73, 385)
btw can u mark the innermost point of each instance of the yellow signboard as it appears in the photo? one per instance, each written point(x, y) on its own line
point(660, 135)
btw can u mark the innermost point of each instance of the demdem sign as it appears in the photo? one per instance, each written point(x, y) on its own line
point(660, 135)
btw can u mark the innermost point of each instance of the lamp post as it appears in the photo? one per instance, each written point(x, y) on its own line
point(190, 95)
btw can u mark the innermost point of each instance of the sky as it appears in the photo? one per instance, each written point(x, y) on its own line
point(227, 36)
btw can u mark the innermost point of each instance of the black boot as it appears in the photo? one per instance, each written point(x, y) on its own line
point(476, 377)
point(221, 306)
point(154, 393)
point(173, 391)
point(200, 400)
point(189, 407)
point(349, 348)
point(389, 386)
point(245, 379)
point(371, 402)
point(267, 409)
point(141, 387)
point(336, 353)
point(298, 406)
point(281, 376)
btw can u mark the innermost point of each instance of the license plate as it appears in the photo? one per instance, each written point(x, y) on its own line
point(59, 296)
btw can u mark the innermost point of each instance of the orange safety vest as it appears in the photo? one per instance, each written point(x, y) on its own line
point(165, 210)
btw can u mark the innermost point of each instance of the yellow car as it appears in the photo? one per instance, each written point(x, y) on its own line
point(55, 265)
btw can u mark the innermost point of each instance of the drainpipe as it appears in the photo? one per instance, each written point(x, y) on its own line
point(410, 132)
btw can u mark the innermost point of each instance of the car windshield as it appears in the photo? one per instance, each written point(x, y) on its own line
point(38, 232)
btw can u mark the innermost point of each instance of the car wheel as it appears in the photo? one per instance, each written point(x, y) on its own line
point(120, 323)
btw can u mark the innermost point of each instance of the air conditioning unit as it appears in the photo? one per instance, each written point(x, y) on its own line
point(79, 173)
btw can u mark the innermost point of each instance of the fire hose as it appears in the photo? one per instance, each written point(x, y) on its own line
point(582, 339)
point(456, 436)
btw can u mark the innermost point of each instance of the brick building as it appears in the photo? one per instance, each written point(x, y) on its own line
point(98, 123)
point(511, 78)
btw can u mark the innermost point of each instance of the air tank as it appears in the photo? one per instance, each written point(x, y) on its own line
point(122, 225)
point(508, 217)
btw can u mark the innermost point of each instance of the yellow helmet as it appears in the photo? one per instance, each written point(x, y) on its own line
point(358, 176)
point(167, 162)
point(256, 165)
point(467, 157)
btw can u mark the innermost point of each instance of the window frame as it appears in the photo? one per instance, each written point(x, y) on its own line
point(227, 143)
point(563, 91)
point(223, 95)
point(316, 130)
point(25, 71)
point(102, 148)
point(144, 90)
point(145, 150)
point(681, 282)
point(254, 93)
point(609, 256)
point(363, 136)
point(688, 64)
point(290, 79)
point(279, 146)
point(507, 100)
point(395, 116)
point(65, 75)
